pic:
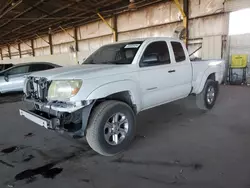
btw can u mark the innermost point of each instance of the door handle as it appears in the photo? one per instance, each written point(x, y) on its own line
point(171, 71)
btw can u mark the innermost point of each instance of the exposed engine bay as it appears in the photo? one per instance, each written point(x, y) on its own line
point(57, 112)
point(37, 88)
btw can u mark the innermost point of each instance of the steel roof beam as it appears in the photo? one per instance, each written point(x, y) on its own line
point(37, 7)
point(17, 16)
point(6, 6)
point(53, 12)
point(71, 19)
point(45, 26)
point(11, 8)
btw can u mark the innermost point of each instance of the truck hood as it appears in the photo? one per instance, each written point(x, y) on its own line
point(83, 71)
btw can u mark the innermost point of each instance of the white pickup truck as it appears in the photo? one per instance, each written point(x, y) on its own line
point(100, 99)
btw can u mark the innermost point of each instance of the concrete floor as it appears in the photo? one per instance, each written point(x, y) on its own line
point(176, 146)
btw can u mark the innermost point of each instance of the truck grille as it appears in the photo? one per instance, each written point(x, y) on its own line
point(37, 88)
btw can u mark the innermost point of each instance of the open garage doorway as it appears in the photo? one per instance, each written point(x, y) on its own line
point(239, 36)
point(238, 24)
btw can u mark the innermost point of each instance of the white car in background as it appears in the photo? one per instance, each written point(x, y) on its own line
point(101, 98)
point(12, 79)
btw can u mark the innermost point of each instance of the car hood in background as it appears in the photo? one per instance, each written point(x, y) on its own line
point(83, 71)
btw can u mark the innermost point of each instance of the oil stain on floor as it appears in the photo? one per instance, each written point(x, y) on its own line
point(47, 171)
point(9, 150)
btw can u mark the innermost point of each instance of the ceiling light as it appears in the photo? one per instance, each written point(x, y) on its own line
point(132, 5)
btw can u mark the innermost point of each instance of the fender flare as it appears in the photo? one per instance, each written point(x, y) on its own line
point(115, 87)
point(200, 85)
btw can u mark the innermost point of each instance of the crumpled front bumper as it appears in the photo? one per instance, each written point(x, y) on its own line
point(59, 106)
point(52, 115)
point(40, 120)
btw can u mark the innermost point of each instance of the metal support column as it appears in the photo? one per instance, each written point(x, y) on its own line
point(73, 37)
point(38, 36)
point(9, 52)
point(25, 43)
point(32, 47)
point(114, 31)
point(184, 13)
point(50, 44)
point(1, 53)
point(19, 50)
point(114, 24)
point(76, 39)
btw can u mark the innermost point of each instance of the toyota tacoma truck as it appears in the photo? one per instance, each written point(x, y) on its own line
point(100, 99)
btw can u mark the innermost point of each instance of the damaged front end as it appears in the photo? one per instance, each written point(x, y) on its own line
point(70, 117)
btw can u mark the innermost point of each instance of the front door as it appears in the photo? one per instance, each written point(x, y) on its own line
point(156, 75)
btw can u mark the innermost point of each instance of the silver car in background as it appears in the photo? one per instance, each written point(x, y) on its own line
point(12, 79)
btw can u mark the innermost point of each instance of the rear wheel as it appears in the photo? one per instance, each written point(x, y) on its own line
point(111, 128)
point(206, 99)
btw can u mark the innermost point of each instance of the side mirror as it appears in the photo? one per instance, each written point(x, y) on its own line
point(6, 77)
point(150, 59)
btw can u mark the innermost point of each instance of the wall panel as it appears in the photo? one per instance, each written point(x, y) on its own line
point(62, 37)
point(88, 46)
point(234, 5)
point(38, 43)
point(157, 20)
point(208, 26)
point(212, 47)
point(95, 29)
point(205, 7)
point(155, 15)
point(158, 31)
point(42, 51)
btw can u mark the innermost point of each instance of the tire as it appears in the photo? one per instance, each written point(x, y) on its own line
point(202, 101)
point(98, 133)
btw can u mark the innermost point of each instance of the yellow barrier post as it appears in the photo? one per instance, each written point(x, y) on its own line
point(113, 29)
point(185, 18)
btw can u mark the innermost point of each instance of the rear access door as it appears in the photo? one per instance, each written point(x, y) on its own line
point(183, 68)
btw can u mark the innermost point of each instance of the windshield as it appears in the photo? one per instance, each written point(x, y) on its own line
point(120, 53)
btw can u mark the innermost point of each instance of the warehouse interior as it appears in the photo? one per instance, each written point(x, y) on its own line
point(66, 32)
point(175, 144)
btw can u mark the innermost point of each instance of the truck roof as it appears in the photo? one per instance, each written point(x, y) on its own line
point(149, 38)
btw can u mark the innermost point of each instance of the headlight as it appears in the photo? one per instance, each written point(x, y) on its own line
point(63, 89)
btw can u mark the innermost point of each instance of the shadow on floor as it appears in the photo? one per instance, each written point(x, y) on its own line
point(10, 97)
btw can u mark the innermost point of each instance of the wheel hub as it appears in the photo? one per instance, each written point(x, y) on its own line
point(116, 129)
point(210, 95)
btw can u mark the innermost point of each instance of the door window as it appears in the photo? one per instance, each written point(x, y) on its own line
point(156, 53)
point(50, 67)
point(40, 67)
point(19, 70)
point(178, 51)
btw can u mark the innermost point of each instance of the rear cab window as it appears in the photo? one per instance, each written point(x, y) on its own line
point(179, 52)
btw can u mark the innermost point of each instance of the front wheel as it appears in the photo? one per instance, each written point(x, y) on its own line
point(206, 99)
point(111, 128)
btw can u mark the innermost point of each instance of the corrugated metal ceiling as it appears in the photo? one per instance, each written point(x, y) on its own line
point(22, 19)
